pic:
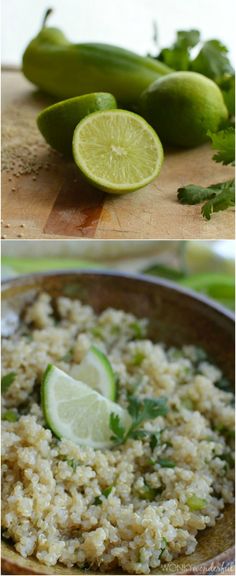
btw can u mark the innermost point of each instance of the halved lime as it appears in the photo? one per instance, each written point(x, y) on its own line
point(75, 411)
point(96, 371)
point(117, 151)
point(57, 123)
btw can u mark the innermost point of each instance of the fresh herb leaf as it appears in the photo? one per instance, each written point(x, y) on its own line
point(223, 200)
point(105, 493)
point(165, 463)
point(138, 358)
point(116, 427)
point(178, 56)
point(212, 60)
point(220, 197)
point(10, 416)
point(146, 492)
point(193, 194)
point(164, 547)
point(7, 380)
point(146, 409)
point(73, 464)
point(224, 142)
point(155, 439)
point(140, 411)
point(138, 330)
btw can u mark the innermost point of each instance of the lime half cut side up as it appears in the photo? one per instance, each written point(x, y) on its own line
point(76, 412)
point(96, 371)
point(117, 151)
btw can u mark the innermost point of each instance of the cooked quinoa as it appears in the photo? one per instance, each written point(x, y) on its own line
point(133, 506)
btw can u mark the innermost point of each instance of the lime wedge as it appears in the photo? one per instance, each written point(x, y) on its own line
point(96, 371)
point(117, 151)
point(57, 122)
point(75, 411)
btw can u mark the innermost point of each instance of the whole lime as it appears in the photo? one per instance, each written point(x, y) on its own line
point(182, 107)
point(57, 122)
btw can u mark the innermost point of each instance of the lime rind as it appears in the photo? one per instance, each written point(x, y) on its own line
point(57, 122)
point(88, 166)
point(76, 412)
point(96, 371)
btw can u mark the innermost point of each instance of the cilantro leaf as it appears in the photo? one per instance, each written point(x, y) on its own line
point(193, 194)
point(7, 380)
point(10, 416)
point(116, 427)
point(140, 411)
point(212, 60)
point(166, 463)
point(147, 409)
point(219, 197)
point(225, 199)
point(105, 493)
point(224, 142)
point(178, 55)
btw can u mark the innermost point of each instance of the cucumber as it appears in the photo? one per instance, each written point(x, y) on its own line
point(65, 70)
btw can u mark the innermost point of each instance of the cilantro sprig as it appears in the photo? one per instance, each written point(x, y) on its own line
point(140, 411)
point(218, 196)
point(212, 60)
point(224, 142)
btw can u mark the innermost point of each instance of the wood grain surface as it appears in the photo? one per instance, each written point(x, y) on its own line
point(58, 203)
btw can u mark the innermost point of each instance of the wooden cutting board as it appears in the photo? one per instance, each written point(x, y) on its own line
point(52, 200)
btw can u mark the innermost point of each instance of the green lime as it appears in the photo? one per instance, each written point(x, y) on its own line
point(96, 371)
point(117, 151)
point(182, 107)
point(75, 411)
point(57, 123)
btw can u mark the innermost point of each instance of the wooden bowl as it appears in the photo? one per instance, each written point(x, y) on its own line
point(177, 317)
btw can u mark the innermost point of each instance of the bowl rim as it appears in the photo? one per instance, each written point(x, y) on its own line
point(149, 279)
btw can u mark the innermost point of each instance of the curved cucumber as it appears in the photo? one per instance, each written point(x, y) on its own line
point(65, 70)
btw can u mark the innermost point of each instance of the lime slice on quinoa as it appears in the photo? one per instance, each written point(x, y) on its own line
point(96, 371)
point(57, 122)
point(117, 151)
point(75, 411)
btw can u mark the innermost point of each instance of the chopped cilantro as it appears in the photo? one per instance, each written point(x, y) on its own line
point(73, 464)
point(138, 358)
point(7, 380)
point(165, 542)
point(146, 492)
point(10, 416)
point(137, 329)
point(165, 463)
point(105, 493)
